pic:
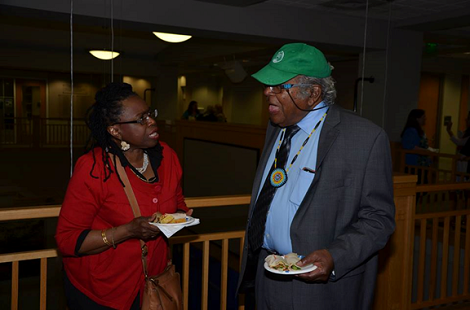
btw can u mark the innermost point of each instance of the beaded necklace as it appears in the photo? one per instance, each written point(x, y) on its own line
point(145, 165)
point(279, 175)
point(151, 180)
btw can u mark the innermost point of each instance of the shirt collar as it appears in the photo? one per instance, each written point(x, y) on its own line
point(312, 118)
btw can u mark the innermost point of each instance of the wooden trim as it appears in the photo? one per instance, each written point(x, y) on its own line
point(442, 187)
point(456, 262)
point(205, 276)
point(445, 258)
point(14, 285)
point(433, 275)
point(421, 264)
point(224, 275)
point(393, 290)
point(393, 287)
point(22, 256)
point(241, 297)
point(186, 254)
point(207, 237)
point(23, 213)
point(442, 214)
point(43, 285)
point(440, 301)
point(217, 201)
point(466, 277)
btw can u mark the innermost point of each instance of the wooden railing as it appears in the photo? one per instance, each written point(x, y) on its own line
point(442, 168)
point(444, 239)
point(426, 262)
point(41, 132)
point(442, 235)
point(205, 239)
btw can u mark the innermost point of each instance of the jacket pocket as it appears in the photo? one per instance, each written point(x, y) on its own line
point(304, 181)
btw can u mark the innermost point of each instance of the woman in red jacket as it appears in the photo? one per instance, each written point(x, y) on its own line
point(97, 233)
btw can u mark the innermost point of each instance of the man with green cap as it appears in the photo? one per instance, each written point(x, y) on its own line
point(323, 190)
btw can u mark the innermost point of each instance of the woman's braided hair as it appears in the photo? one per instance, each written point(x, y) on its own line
point(103, 113)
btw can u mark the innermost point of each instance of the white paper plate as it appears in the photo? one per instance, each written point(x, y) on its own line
point(304, 269)
point(189, 220)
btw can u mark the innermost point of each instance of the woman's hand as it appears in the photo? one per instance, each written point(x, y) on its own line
point(449, 128)
point(139, 228)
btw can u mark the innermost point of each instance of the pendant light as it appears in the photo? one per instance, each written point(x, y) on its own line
point(172, 37)
point(104, 55)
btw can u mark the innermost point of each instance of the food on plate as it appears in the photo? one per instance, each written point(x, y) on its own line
point(283, 263)
point(170, 218)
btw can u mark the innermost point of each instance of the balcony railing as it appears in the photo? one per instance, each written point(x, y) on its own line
point(425, 264)
point(41, 132)
point(204, 239)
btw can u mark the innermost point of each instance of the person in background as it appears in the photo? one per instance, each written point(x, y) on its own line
point(463, 143)
point(220, 113)
point(192, 113)
point(323, 190)
point(97, 233)
point(209, 114)
point(413, 137)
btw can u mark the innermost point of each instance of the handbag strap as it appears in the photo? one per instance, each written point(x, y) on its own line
point(134, 205)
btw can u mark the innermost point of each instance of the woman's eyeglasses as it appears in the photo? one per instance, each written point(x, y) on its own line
point(277, 89)
point(151, 114)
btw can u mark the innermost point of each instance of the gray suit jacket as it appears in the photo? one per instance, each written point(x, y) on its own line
point(348, 210)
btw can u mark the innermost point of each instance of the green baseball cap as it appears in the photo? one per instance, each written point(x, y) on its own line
point(291, 60)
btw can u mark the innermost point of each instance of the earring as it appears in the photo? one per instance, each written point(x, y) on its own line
point(125, 146)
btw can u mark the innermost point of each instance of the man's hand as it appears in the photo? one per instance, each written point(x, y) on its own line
point(324, 262)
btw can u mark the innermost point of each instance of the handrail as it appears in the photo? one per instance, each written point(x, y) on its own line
point(394, 279)
point(186, 240)
point(429, 153)
point(23, 213)
point(15, 258)
point(442, 187)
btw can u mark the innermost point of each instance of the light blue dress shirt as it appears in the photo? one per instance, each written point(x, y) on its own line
point(288, 197)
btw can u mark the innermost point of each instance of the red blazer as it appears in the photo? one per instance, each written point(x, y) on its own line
point(114, 277)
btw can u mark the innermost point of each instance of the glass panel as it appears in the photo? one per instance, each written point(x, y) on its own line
point(8, 87)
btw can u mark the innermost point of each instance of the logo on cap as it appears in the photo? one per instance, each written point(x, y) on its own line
point(278, 57)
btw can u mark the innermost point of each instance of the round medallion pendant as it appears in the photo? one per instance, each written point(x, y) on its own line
point(278, 177)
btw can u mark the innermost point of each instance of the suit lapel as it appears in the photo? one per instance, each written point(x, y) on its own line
point(271, 136)
point(328, 135)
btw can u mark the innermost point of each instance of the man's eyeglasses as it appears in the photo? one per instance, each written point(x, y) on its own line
point(277, 89)
point(144, 119)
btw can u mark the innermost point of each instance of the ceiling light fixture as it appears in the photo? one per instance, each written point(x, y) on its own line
point(104, 55)
point(172, 37)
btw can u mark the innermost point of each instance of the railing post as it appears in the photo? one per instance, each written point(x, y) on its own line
point(393, 288)
point(36, 131)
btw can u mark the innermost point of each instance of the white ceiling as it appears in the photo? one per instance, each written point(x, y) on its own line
point(399, 10)
point(445, 22)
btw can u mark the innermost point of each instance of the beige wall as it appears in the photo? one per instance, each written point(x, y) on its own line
point(59, 97)
point(139, 85)
point(451, 89)
point(242, 102)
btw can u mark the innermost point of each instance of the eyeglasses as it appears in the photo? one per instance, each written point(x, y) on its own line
point(151, 114)
point(277, 89)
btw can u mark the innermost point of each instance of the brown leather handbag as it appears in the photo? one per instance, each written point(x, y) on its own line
point(163, 291)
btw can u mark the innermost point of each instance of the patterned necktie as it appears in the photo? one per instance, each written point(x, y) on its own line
point(258, 220)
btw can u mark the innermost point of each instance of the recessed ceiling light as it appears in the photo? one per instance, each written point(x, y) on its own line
point(172, 37)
